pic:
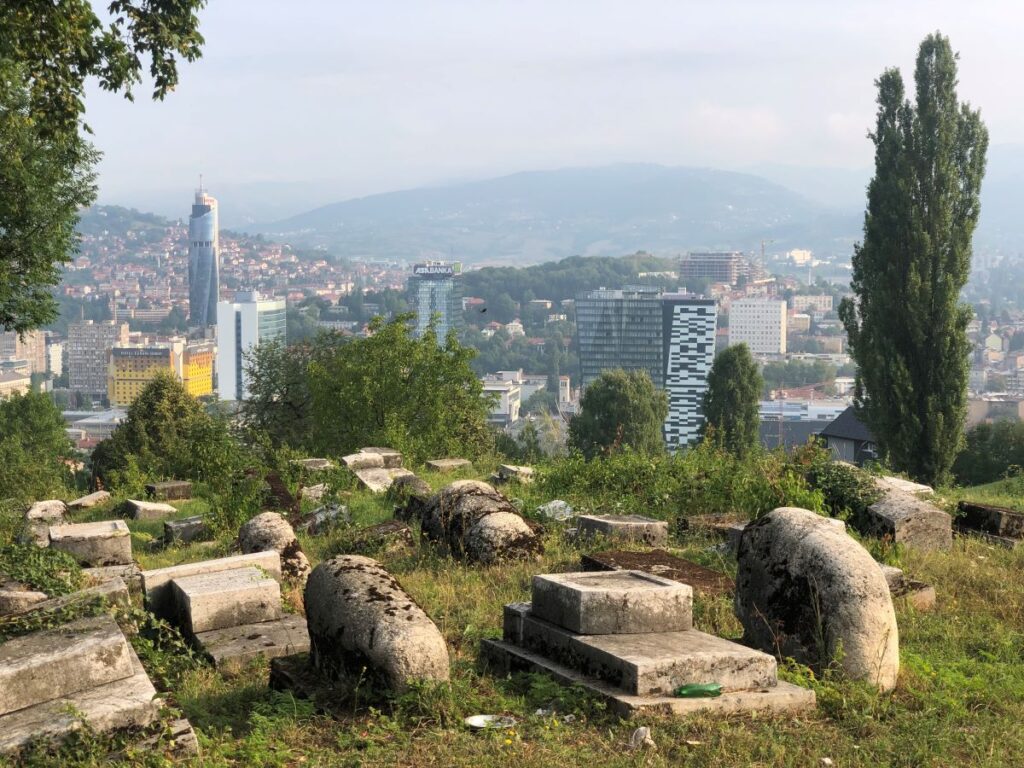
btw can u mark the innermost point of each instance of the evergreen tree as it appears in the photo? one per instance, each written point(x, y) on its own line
point(34, 448)
point(907, 326)
point(732, 398)
point(619, 410)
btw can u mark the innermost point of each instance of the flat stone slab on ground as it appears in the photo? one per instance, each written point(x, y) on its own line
point(324, 518)
point(47, 665)
point(637, 528)
point(392, 458)
point(448, 465)
point(89, 500)
point(653, 663)
point(185, 530)
point(208, 601)
point(234, 647)
point(361, 460)
point(129, 702)
point(179, 742)
point(782, 698)
point(171, 490)
point(314, 465)
point(660, 563)
point(130, 574)
point(156, 584)
point(114, 592)
point(378, 480)
point(16, 597)
point(612, 602)
point(149, 510)
point(107, 542)
point(902, 484)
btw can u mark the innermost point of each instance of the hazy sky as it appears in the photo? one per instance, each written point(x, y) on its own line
point(375, 96)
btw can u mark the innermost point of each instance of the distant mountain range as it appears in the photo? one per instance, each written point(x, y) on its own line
point(535, 216)
point(610, 210)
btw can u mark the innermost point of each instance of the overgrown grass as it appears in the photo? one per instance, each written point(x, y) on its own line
point(960, 698)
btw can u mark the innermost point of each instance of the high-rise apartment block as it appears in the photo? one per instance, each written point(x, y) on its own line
point(435, 294)
point(760, 324)
point(688, 337)
point(134, 366)
point(714, 267)
point(88, 346)
point(816, 303)
point(28, 350)
point(203, 261)
point(241, 325)
point(671, 336)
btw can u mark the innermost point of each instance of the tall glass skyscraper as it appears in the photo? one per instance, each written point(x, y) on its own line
point(203, 261)
point(434, 292)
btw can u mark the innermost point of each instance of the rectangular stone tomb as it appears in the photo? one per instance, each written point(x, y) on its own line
point(107, 542)
point(652, 663)
point(910, 521)
point(209, 601)
point(504, 657)
point(995, 521)
point(47, 665)
point(171, 490)
point(185, 530)
point(613, 602)
point(129, 702)
point(149, 510)
point(233, 647)
point(646, 530)
point(156, 584)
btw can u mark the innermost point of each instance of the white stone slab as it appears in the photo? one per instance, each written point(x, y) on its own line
point(150, 510)
point(57, 662)
point(91, 500)
point(107, 542)
point(646, 530)
point(156, 584)
point(208, 601)
point(613, 602)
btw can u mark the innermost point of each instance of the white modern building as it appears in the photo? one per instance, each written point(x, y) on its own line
point(760, 324)
point(505, 411)
point(241, 325)
point(689, 351)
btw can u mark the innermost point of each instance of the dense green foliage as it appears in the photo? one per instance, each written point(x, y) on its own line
point(619, 410)
point(846, 490)
point(42, 568)
point(797, 373)
point(415, 395)
point(167, 435)
point(731, 401)
point(45, 179)
point(907, 326)
point(34, 449)
point(991, 452)
point(705, 480)
point(279, 404)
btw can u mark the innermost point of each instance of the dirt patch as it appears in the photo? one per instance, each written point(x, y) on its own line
point(660, 563)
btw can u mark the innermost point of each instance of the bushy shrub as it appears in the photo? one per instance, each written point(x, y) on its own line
point(706, 480)
point(47, 570)
point(846, 490)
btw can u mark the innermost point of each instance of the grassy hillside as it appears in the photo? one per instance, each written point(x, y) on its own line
point(959, 701)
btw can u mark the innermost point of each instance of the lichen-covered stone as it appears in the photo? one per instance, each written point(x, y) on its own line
point(806, 589)
point(269, 531)
point(360, 621)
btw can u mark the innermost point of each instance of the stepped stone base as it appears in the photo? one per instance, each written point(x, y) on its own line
point(130, 702)
point(157, 583)
point(655, 663)
point(782, 698)
point(233, 648)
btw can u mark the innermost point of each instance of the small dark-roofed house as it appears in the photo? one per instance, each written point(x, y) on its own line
point(849, 439)
point(794, 433)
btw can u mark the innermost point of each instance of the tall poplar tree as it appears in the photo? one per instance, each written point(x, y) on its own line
point(732, 400)
point(907, 326)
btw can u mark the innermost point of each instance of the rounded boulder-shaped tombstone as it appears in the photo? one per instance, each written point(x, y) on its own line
point(410, 495)
point(269, 531)
point(360, 619)
point(805, 589)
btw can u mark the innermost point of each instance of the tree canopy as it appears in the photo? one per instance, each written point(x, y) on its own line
point(619, 410)
point(732, 398)
point(906, 325)
point(34, 448)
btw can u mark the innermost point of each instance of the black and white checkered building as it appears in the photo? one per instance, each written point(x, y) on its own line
point(688, 335)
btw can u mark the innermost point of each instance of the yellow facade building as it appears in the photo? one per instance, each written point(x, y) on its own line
point(132, 367)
